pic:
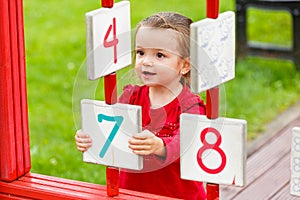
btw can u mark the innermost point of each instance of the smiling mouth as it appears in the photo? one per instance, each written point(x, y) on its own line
point(146, 73)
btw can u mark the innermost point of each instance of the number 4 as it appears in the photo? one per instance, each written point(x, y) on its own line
point(114, 42)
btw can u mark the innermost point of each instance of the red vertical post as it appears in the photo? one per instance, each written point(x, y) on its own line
point(212, 103)
point(107, 3)
point(212, 9)
point(14, 137)
point(112, 173)
point(212, 191)
point(212, 97)
point(110, 88)
point(7, 148)
point(110, 83)
point(23, 88)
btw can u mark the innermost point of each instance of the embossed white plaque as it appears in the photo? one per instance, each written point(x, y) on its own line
point(295, 162)
point(212, 52)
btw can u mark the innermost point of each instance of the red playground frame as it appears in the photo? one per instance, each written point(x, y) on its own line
point(16, 181)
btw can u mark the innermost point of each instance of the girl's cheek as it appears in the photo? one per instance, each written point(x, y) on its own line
point(138, 62)
point(138, 66)
point(138, 69)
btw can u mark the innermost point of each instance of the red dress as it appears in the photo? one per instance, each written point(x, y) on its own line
point(162, 176)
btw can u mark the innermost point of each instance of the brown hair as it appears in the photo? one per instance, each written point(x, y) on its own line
point(173, 21)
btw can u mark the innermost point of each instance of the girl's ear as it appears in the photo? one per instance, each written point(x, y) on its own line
point(186, 66)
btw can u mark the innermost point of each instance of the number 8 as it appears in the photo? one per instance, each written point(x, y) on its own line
point(215, 146)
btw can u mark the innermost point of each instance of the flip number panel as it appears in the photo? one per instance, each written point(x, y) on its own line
point(295, 162)
point(110, 127)
point(213, 150)
point(212, 52)
point(108, 39)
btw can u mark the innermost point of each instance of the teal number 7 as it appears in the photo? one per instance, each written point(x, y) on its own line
point(118, 120)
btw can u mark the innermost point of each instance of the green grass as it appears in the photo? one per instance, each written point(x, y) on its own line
point(270, 31)
point(55, 50)
point(261, 90)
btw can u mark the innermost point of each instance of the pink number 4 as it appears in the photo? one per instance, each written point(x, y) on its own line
point(114, 42)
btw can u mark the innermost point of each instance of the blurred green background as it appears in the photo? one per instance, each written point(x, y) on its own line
point(55, 52)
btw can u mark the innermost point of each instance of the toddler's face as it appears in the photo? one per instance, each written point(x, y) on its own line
point(158, 62)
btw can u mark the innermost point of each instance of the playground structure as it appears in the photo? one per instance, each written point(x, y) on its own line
point(16, 179)
point(15, 176)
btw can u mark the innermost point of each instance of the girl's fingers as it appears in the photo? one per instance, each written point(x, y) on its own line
point(83, 138)
point(140, 147)
point(82, 135)
point(83, 141)
point(83, 146)
point(141, 152)
point(139, 141)
point(143, 135)
point(146, 144)
point(82, 149)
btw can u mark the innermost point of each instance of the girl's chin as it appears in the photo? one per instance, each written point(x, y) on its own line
point(150, 83)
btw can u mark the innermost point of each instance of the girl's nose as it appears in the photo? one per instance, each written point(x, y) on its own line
point(147, 61)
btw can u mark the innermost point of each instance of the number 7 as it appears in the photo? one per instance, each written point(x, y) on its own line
point(118, 120)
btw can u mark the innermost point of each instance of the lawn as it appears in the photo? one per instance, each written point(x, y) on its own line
point(55, 54)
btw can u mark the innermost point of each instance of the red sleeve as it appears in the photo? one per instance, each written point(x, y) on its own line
point(192, 105)
point(172, 145)
point(128, 95)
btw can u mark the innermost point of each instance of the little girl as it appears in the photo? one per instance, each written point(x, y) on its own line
point(162, 47)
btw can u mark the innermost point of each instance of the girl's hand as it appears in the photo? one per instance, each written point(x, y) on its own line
point(83, 141)
point(147, 143)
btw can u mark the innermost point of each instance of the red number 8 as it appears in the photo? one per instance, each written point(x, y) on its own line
point(214, 146)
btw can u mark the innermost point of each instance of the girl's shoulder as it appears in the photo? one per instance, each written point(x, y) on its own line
point(187, 95)
point(131, 93)
point(189, 100)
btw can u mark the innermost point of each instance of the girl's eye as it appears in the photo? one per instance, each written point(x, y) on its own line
point(139, 52)
point(160, 55)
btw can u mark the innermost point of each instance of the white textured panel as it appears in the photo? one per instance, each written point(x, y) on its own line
point(212, 51)
point(213, 150)
point(110, 127)
point(108, 39)
point(295, 162)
